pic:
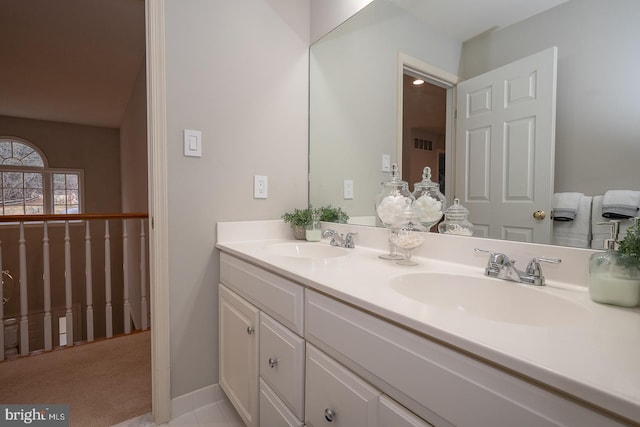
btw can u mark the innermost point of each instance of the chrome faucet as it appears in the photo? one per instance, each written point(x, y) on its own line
point(338, 240)
point(500, 266)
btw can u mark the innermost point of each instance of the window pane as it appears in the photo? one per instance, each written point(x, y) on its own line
point(5, 149)
point(33, 180)
point(58, 181)
point(34, 209)
point(13, 197)
point(59, 198)
point(20, 151)
point(34, 196)
point(12, 179)
point(72, 181)
point(33, 159)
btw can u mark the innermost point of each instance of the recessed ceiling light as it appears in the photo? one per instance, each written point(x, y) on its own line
point(418, 82)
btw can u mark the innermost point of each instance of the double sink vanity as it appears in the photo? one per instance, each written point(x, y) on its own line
point(315, 335)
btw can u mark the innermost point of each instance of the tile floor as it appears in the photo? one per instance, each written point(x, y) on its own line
point(219, 414)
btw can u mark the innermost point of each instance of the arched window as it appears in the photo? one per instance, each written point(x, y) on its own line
point(29, 187)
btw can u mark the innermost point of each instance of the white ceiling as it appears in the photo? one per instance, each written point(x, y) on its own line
point(77, 60)
point(70, 60)
point(465, 19)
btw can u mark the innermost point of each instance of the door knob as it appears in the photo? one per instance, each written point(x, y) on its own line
point(539, 215)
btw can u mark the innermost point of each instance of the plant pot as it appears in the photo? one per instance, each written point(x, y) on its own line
point(299, 232)
point(614, 282)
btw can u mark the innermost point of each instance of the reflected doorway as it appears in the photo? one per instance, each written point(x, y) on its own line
point(424, 128)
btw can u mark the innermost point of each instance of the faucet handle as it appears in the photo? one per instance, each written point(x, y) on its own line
point(348, 240)
point(497, 260)
point(534, 268)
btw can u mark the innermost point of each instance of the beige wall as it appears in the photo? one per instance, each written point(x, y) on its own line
point(96, 150)
point(238, 72)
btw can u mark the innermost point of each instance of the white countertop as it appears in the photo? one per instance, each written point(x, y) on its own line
point(596, 358)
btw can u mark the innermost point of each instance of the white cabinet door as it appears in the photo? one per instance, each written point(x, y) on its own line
point(239, 354)
point(391, 414)
point(335, 396)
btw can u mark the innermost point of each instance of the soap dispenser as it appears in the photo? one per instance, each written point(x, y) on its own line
point(612, 278)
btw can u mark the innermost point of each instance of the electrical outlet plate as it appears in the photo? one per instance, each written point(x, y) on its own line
point(260, 187)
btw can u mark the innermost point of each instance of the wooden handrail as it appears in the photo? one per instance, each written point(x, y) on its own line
point(71, 217)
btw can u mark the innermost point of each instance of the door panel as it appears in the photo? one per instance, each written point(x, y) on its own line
point(505, 134)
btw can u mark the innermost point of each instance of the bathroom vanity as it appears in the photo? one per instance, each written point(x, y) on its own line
point(317, 335)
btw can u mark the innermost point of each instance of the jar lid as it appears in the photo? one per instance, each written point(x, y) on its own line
point(456, 209)
point(426, 181)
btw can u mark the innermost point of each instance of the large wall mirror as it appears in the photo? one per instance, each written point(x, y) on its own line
point(354, 93)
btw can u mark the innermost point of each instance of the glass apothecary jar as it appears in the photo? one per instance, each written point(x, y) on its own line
point(408, 235)
point(429, 204)
point(390, 203)
point(456, 220)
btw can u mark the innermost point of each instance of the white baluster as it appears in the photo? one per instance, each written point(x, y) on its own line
point(24, 302)
point(125, 267)
point(89, 281)
point(107, 279)
point(1, 308)
point(48, 331)
point(67, 284)
point(143, 277)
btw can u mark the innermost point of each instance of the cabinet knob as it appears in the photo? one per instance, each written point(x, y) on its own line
point(250, 330)
point(329, 414)
point(273, 362)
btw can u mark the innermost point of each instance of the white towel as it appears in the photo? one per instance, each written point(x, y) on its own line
point(565, 206)
point(577, 232)
point(620, 204)
point(600, 229)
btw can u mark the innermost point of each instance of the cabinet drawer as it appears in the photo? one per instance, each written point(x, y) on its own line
point(436, 382)
point(390, 414)
point(335, 396)
point(273, 413)
point(280, 298)
point(282, 363)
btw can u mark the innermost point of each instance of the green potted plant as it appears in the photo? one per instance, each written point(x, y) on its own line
point(298, 219)
point(331, 214)
point(301, 218)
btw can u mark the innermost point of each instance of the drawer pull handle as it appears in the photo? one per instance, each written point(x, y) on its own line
point(273, 362)
point(329, 414)
point(250, 330)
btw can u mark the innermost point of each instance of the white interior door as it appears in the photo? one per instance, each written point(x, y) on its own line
point(505, 148)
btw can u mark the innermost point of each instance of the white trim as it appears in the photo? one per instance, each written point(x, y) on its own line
point(158, 211)
point(440, 78)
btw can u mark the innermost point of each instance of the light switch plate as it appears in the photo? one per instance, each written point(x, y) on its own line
point(386, 163)
point(348, 189)
point(260, 186)
point(192, 143)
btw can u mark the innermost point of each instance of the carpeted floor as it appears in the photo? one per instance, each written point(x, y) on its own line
point(104, 383)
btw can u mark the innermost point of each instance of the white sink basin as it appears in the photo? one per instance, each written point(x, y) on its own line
point(488, 298)
point(307, 250)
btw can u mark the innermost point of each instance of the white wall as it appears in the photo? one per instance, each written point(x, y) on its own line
point(598, 126)
point(237, 71)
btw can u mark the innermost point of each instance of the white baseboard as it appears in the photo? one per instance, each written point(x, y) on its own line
point(196, 399)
